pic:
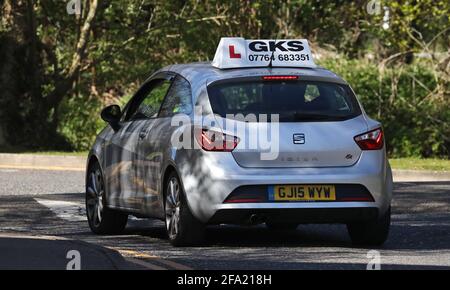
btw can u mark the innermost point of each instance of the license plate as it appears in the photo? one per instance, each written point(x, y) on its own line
point(302, 193)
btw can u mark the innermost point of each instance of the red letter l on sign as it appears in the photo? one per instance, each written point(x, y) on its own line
point(233, 54)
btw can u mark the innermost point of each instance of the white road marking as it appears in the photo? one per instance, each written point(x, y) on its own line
point(75, 211)
point(69, 210)
point(15, 229)
point(9, 170)
point(66, 210)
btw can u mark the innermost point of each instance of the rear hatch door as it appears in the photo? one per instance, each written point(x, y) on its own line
point(289, 123)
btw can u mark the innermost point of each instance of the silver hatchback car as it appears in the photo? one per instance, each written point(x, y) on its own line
point(197, 145)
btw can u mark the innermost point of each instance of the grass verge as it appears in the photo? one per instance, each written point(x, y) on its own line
point(420, 164)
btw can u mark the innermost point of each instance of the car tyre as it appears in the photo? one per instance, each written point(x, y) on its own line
point(372, 233)
point(183, 228)
point(102, 220)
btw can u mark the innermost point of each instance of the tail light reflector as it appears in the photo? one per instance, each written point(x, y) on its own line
point(211, 140)
point(245, 199)
point(372, 140)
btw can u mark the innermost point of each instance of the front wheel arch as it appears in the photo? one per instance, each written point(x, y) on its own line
point(93, 159)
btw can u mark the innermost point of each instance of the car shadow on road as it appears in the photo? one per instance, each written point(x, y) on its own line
point(402, 237)
point(420, 221)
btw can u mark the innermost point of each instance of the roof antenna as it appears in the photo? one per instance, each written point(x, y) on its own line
point(271, 59)
point(273, 52)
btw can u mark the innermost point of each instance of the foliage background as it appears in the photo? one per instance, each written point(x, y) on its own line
point(58, 70)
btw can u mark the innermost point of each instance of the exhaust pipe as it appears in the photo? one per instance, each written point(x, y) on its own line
point(255, 219)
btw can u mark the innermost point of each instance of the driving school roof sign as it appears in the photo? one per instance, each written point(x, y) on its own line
point(236, 52)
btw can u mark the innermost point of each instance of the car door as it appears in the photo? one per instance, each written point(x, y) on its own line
point(155, 147)
point(138, 115)
point(145, 116)
point(118, 166)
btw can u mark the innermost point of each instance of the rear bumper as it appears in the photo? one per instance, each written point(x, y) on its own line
point(294, 215)
point(209, 178)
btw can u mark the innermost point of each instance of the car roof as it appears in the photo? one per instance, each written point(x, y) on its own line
point(202, 73)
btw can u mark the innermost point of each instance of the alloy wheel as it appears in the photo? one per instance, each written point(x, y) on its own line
point(173, 207)
point(94, 197)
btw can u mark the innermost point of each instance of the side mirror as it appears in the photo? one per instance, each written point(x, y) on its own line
point(111, 115)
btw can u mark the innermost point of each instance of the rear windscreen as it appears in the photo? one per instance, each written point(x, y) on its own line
point(292, 101)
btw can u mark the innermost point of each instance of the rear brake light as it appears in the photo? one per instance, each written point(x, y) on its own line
point(211, 140)
point(372, 140)
point(280, 78)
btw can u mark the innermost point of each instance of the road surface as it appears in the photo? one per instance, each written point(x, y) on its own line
point(50, 203)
